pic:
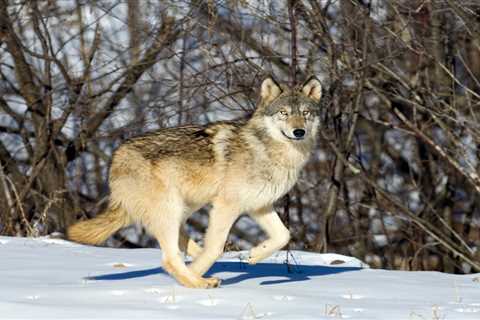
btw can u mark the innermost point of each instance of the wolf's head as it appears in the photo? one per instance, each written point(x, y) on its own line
point(290, 114)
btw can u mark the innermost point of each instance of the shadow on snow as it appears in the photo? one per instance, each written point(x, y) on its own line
point(242, 271)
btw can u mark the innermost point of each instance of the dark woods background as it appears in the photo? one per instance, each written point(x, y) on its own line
point(394, 180)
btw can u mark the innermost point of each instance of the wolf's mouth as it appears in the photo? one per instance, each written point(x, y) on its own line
point(292, 138)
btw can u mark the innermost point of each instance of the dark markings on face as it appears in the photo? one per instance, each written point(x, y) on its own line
point(295, 104)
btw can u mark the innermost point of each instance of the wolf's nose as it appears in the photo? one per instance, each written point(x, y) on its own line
point(299, 133)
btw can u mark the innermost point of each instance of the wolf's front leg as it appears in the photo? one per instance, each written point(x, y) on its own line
point(278, 234)
point(221, 220)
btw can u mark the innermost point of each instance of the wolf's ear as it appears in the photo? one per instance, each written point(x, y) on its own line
point(269, 90)
point(312, 88)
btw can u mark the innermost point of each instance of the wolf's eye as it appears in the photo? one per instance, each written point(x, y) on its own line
point(306, 113)
point(283, 113)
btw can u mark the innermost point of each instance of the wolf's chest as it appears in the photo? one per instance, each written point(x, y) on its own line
point(267, 186)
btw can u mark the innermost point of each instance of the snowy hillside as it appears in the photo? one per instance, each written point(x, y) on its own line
point(55, 279)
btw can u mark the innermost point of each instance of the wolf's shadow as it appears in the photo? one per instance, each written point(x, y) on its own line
point(242, 271)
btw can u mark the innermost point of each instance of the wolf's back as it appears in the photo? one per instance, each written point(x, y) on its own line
point(95, 231)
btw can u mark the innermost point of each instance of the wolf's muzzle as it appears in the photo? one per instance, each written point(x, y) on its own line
point(299, 133)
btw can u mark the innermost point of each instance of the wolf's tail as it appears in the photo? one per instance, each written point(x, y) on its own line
point(95, 231)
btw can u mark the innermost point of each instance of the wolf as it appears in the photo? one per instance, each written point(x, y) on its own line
point(160, 178)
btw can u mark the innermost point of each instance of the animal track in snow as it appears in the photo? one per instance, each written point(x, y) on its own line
point(33, 297)
point(262, 315)
point(466, 307)
point(154, 290)
point(249, 313)
point(352, 296)
point(209, 302)
point(118, 292)
point(171, 298)
point(173, 307)
point(283, 298)
point(120, 265)
point(469, 309)
point(256, 316)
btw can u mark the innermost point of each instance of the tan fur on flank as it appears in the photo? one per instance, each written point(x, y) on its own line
point(159, 179)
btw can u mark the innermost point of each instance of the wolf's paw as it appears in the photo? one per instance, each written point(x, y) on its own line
point(212, 282)
point(253, 259)
point(255, 255)
point(204, 283)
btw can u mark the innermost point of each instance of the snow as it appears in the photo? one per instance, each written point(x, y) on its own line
point(46, 278)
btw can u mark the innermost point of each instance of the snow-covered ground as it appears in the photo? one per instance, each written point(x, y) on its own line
point(49, 279)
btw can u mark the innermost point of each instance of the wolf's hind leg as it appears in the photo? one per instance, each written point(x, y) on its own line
point(221, 220)
point(167, 233)
point(278, 234)
point(189, 246)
